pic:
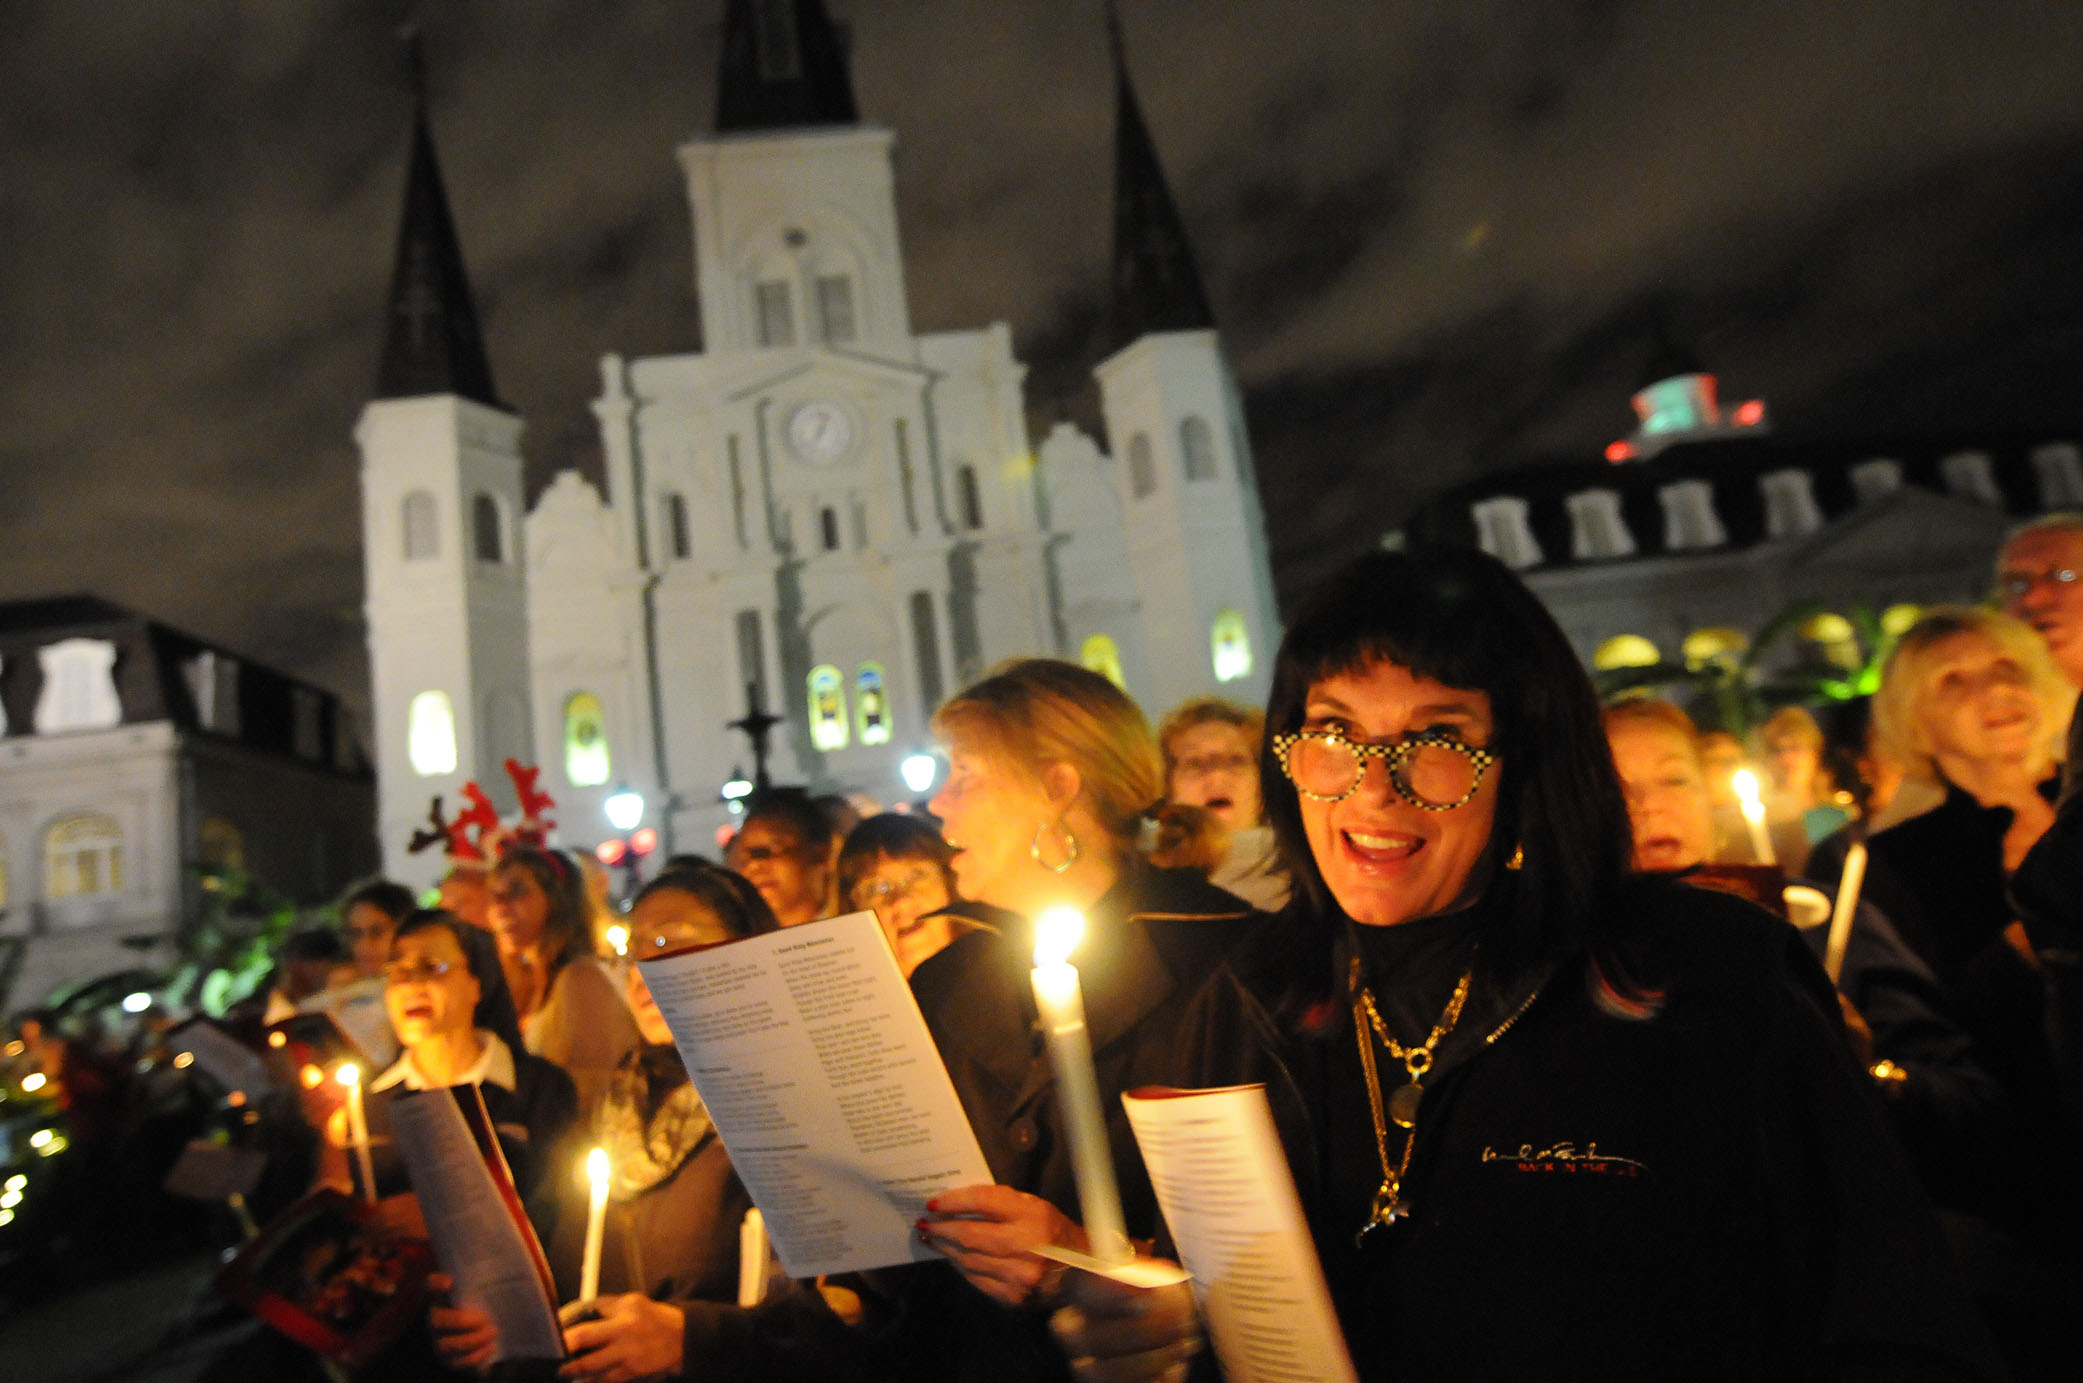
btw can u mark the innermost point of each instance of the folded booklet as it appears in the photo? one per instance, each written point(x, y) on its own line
point(1229, 1200)
point(482, 1237)
point(826, 1088)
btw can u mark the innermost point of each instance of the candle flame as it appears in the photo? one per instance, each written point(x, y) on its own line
point(1057, 933)
point(618, 938)
point(349, 1074)
point(597, 1166)
point(1746, 784)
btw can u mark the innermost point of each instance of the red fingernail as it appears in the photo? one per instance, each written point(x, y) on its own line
point(934, 1205)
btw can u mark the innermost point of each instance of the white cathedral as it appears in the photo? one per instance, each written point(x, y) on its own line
point(822, 514)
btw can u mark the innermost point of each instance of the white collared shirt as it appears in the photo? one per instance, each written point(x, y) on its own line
point(495, 1063)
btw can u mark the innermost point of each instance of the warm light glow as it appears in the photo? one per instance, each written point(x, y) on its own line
point(17, 1047)
point(644, 840)
point(33, 1082)
point(1622, 450)
point(1750, 412)
point(1625, 650)
point(136, 1001)
point(617, 938)
point(1746, 784)
point(41, 1138)
point(312, 1077)
point(918, 771)
point(6, 1217)
point(1057, 933)
point(610, 852)
point(17, 1182)
point(738, 787)
point(10, 1200)
point(183, 1060)
point(597, 1167)
point(51, 1147)
point(278, 1039)
point(349, 1074)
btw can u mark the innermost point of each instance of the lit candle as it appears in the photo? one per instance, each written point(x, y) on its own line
point(752, 1259)
point(596, 1223)
point(1848, 885)
point(1746, 785)
point(350, 1075)
point(1062, 1008)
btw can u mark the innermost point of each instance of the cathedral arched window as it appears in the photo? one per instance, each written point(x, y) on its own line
point(827, 690)
point(422, 536)
point(430, 734)
point(677, 539)
point(1100, 654)
point(971, 497)
point(1229, 643)
point(1197, 447)
point(1142, 470)
point(871, 705)
point(484, 522)
point(585, 741)
point(828, 527)
point(83, 857)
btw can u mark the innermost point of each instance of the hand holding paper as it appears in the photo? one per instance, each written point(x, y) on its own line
point(991, 1234)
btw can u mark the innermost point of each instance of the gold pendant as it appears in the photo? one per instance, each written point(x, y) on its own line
point(1403, 1105)
point(1388, 1208)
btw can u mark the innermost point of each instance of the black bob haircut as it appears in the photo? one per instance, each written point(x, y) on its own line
point(1459, 617)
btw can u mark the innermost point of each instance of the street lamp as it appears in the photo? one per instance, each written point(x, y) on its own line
point(624, 809)
point(918, 771)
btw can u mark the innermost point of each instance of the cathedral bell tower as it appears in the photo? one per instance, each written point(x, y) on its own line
point(1175, 426)
point(442, 498)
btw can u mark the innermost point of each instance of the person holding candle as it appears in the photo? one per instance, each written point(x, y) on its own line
point(1051, 769)
point(1547, 1119)
point(1939, 1100)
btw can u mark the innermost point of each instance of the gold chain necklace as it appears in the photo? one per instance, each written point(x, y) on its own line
point(1389, 1205)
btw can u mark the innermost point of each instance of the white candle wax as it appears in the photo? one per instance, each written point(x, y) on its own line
point(1848, 885)
point(1061, 1005)
point(752, 1259)
point(596, 1223)
point(1746, 785)
point(358, 1129)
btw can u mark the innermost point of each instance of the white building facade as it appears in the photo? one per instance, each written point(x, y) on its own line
point(823, 513)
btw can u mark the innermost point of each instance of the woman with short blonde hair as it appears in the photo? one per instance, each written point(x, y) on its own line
point(1916, 671)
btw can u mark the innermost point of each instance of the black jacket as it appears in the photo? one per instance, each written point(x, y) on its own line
point(1704, 1192)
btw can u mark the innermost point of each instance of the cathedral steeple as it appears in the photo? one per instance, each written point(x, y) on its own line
point(431, 342)
point(784, 66)
point(1156, 286)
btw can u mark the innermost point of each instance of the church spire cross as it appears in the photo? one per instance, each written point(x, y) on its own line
point(1156, 286)
point(431, 343)
point(784, 66)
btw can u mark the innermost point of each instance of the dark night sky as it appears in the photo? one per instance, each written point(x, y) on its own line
point(1431, 232)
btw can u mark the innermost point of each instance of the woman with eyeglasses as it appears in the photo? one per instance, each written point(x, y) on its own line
point(675, 1207)
point(896, 865)
point(1546, 1119)
point(435, 998)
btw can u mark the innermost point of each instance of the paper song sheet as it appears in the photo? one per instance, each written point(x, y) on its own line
point(825, 1087)
point(482, 1239)
point(1227, 1194)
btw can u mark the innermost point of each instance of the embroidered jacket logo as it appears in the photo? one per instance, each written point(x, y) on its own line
point(1565, 1159)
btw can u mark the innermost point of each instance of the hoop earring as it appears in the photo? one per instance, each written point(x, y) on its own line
point(1070, 848)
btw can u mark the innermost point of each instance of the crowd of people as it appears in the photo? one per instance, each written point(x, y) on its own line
point(1561, 1075)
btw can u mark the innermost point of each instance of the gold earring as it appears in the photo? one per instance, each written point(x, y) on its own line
point(1518, 859)
point(1070, 848)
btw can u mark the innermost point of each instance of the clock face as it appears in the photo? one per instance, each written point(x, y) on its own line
point(820, 432)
